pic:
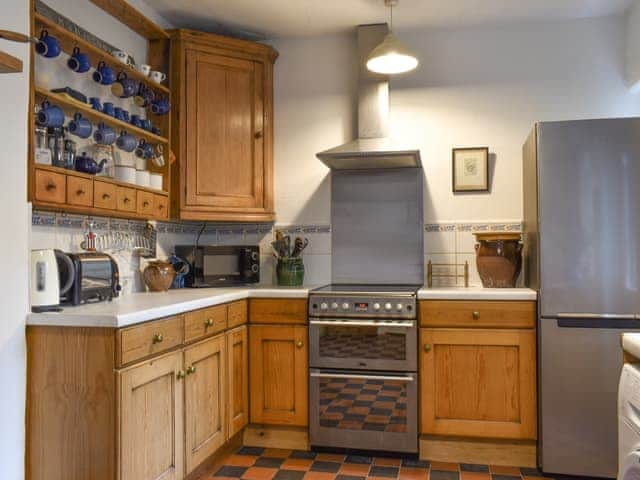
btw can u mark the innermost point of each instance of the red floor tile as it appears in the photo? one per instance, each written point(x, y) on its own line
point(500, 470)
point(354, 469)
point(446, 466)
point(297, 464)
point(330, 457)
point(319, 476)
point(387, 462)
point(259, 473)
point(240, 460)
point(413, 474)
point(475, 476)
point(276, 452)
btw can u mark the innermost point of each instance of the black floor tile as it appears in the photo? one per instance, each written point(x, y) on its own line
point(289, 475)
point(442, 475)
point(331, 467)
point(360, 459)
point(472, 467)
point(250, 451)
point(504, 477)
point(303, 454)
point(380, 471)
point(230, 471)
point(530, 472)
point(349, 477)
point(414, 463)
point(269, 462)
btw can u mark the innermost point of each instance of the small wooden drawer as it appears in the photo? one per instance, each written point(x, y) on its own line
point(150, 338)
point(278, 310)
point(126, 199)
point(80, 191)
point(160, 206)
point(104, 195)
point(144, 203)
point(201, 323)
point(236, 313)
point(486, 314)
point(50, 186)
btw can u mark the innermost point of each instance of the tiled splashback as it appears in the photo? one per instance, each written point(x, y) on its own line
point(448, 243)
point(454, 244)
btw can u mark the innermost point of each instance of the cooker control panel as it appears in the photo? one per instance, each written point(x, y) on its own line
point(374, 306)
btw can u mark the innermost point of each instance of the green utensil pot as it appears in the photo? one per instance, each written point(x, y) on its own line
point(290, 272)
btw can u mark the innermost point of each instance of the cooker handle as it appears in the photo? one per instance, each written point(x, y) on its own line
point(399, 378)
point(360, 323)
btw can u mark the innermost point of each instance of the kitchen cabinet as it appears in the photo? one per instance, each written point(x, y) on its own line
point(237, 379)
point(279, 374)
point(223, 128)
point(205, 399)
point(151, 420)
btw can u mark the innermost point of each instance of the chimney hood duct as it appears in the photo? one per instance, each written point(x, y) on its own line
point(373, 148)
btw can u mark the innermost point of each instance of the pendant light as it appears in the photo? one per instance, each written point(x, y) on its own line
point(391, 57)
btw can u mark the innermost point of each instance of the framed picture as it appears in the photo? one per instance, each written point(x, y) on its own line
point(471, 169)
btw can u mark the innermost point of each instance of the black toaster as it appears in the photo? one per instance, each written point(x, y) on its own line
point(95, 278)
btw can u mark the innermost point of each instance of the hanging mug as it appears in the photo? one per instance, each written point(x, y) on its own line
point(144, 97)
point(108, 109)
point(104, 135)
point(50, 115)
point(80, 127)
point(103, 74)
point(124, 87)
point(48, 46)
point(126, 142)
point(79, 62)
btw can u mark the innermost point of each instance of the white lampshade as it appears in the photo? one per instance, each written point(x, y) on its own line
point(391, 57)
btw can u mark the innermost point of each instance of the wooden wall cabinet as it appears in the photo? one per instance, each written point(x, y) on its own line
point(223, 128)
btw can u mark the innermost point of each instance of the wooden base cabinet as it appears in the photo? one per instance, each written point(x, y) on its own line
point(238, 379)
point(478, 383)
point(279, 374)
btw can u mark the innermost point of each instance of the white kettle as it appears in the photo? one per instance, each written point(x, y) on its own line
point(45, 289)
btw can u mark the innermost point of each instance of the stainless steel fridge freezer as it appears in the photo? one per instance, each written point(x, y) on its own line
point(582, 234)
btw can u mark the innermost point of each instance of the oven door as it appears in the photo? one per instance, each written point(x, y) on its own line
point(363, 410)
point(363, 344)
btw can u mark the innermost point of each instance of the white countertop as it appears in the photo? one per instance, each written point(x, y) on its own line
point(476, 293)
point(134, 308)
point(631, 343)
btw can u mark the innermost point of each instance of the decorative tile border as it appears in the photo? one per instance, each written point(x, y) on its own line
point(474, 227)
point(300, 229)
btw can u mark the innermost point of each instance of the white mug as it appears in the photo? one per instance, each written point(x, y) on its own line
point(121, 56)
point(144, 69)
point(157, 77)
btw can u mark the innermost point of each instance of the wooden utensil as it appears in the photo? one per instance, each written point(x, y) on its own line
point(299, 245)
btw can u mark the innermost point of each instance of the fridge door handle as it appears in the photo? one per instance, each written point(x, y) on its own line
point(399, 378)
point(599, 316)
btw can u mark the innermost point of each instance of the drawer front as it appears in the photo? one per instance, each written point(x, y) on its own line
point(50, 186)
point(278, 310)
point(104, 195)
point(80, 191)
point(160, 206)
point(201, 323)
point(150, 338)
point(236, 314)
point(144, 203)
point(486, 314)
point(126, 199)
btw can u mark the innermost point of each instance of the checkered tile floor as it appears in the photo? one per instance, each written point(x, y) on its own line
point(252, 463)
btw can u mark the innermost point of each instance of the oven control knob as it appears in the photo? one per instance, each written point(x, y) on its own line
point(399, 307)
point(387, 306)
point(323, 306)
point(345, 306)
point(376, 306)
point(334, 306)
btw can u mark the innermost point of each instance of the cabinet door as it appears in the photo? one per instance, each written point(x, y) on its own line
point(478, 383)
point(238, 379)
point(151, 420)
point(279, 375)
point(224, 139)
point(205, 400)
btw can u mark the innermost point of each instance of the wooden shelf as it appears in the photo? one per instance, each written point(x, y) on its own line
point(132, 18)
point(69, 40)
point(9, 63)
point(71, 106)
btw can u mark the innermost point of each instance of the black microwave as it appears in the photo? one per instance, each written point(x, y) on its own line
point(219, 266)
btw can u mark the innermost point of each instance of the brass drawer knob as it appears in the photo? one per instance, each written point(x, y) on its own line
point(180, 374)
point(157, 338)
point(145, 204)
point(475, 315)
point(300, 344)
point(191, 370)
point(208, 322)
point(127, 199)
point(105, 196)
point(51, 186)
point(427, 347)
point(80, 192)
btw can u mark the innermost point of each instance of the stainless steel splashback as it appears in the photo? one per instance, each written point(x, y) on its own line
point(377, 226)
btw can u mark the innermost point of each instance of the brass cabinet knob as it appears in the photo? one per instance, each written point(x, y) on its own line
point(258, 135)
point(145, 204)
point(157, 338)
point(191, 369)
point(427, 347)
point(51, 186)
point(300, 344)
point(127, 199)
point(180, 374)
point(475, 315)
point(208, 322)
point(80, 192)
point(105, 196)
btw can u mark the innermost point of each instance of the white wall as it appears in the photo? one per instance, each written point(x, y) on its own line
point(633, 46)
point(475, 87)
point(14, 244)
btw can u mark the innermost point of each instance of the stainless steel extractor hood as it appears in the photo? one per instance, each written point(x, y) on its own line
point(373, 148)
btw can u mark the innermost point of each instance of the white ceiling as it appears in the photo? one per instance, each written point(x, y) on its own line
point(286, 18)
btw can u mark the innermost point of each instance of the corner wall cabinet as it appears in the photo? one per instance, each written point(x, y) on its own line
point(223, 128)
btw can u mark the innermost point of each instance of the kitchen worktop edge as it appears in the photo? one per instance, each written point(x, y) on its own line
point(477, 293)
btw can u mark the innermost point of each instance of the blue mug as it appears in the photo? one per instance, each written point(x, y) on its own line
point(95, 104)
point(146, 124)
point(136, 121)
point(50, 115)
point(104, 135)
point(48, 46)
point(108, 108)
point(124, 87)
point(126, 142)
point(145, 96)
point(119, 113)
point(103, 74)
point(155, 130)
point(144, 150)
point(125, 116)
point(79, 62)
point(80, 127)
point(160, 106)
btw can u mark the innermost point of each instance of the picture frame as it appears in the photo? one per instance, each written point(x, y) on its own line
point(470, 169)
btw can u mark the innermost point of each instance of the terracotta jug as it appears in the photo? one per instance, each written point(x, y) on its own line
point(499, 258)
point(158, 275)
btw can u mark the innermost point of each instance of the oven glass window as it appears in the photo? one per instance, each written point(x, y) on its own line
point(383, 343)
point(363, 404)
point(215, 265)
